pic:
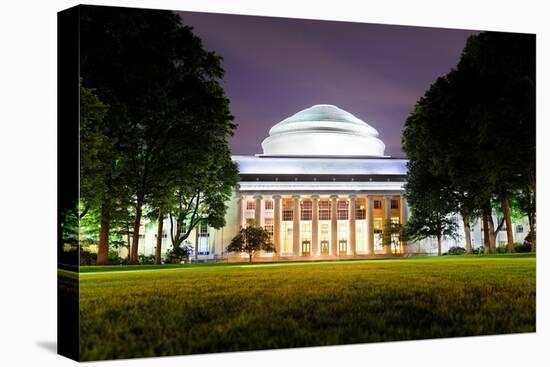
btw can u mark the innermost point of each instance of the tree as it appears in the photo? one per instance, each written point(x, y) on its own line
point(250, 240)
point(393, 234)
point(502, 111)
point(96, 171)
point(164, 96)
point(202, 196)
point(432, 206)
point(475, 128)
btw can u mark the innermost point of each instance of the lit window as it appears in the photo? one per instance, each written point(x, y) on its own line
point(250, 205)
point(288, 210)
point(324, 210)
point(394, 203)
point(519, 228)
point(203, 230)
point(343, 210)
point(269, 205)
point(305, 210)
point(377, 204)
point(360, 209)
point(268, 226)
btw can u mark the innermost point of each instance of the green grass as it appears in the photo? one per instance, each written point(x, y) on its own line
point(153, 311)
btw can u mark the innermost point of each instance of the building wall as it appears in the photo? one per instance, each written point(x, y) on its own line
point(218, 239)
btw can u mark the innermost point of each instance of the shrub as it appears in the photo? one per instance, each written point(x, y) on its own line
point(478, 250)
point(149, 259)
point(456, 250)
point(115, 259)
point(522, 247)
point(87, 257)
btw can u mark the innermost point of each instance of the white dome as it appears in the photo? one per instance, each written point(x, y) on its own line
point(323, 130)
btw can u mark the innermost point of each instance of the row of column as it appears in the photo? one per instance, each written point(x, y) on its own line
point(315, 220)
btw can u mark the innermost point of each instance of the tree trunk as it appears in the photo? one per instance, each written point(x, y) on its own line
point(533, 216)
point(486, 236)
point(492, 234)
point(438, 245)
point(103, 248)
point(532, 232)
point(197, 229)
point(250, 258)
point(135, 235)
point(467, 231)
point(160, 223)
point(508, 219)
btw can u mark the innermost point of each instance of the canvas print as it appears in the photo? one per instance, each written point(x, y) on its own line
point(236, 183)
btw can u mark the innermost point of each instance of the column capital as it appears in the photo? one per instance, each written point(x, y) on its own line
point(314, 197)
point(275, 197)
point(296, 197)
point(258, 196)
point(334, 196)
point(352, 196)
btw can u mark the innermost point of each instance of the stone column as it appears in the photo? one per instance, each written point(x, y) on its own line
point(315, 225)
point(277, 224)
point(387, 216)
point(258, 210)
point(403, 217)
point(333, 225)
point(296, 226)
point(352, 233)
point(370, 224)
point(241, 211)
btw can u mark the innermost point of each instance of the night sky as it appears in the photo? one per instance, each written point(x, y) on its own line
point(277, 66)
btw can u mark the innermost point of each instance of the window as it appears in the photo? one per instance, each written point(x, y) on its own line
point(377, 204)
point(394, 203)
point(250, 205)
point(268, 226)
point(343, 210)
point(268, 205)
point(305, 210)
point(288, 212)
point(519, 228)
point(203, 230)
point(324, 210)
point(360, 209)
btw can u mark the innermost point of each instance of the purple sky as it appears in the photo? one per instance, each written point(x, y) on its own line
point(278, 66)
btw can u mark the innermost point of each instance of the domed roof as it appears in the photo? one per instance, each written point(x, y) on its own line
point(323, 129)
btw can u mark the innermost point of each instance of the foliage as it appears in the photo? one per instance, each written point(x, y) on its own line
point(271, 305)
point(522, 247)
point(474, 130)
point(167, 112)
point(178, 254)
point(456, 250)
point(250, 240)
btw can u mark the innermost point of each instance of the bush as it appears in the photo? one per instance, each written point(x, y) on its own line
point(501, 249)
point(87, 257)
point(456, 250)
point(478, 250)
point(150, 259)
point(179, 254)
point(114, 259)
point(522, 247)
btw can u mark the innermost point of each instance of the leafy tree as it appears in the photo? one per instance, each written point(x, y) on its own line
point(393, 234)
point(432, 206)
point(202, 197)
point(97, 170)
point(502, 111)
point(164, 96)
point(251, 239)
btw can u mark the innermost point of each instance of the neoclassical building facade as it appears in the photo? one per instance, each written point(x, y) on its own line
point(323, 188)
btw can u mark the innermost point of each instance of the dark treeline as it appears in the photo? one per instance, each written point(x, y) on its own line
point(154, 127)
point(471, 143)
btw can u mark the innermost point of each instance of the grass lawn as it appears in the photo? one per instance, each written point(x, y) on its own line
point(153, 311)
